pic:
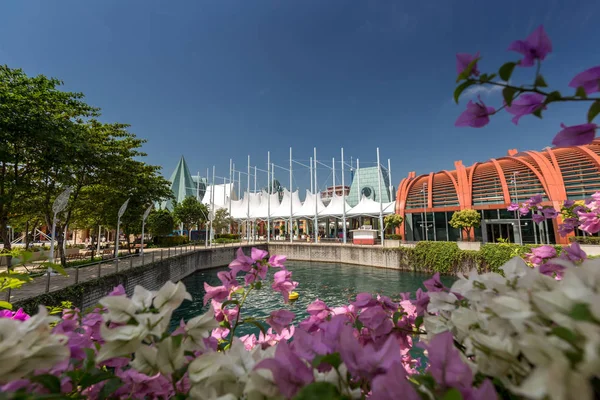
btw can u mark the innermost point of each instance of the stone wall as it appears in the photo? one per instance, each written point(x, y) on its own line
point(151, 276)
point(373, 256)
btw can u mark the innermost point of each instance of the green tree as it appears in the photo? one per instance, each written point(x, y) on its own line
point(190, 212)
point(160, 223)
point(222, 220)
point(466, 220)
point(393, 221)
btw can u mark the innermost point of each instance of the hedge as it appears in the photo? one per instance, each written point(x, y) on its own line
point(234, 236)
point(585, 239)
point(168, 241)
point(393, 237)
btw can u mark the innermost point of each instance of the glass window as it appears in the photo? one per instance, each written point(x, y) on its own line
point(408, 227)
point(490, 214)
point(453, 233)
point(440, 226)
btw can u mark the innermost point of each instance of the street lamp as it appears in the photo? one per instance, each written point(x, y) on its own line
point(424, 191)
point(121, 212)
point(146, 213)
point(514, 182)
point(58, 206)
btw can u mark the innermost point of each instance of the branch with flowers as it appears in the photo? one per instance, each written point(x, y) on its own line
point(526, 99)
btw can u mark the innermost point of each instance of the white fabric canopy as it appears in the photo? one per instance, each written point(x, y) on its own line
point(283, 211)
point(262, 210)
point(335, 208)
point(239, 208)
point(366, 207)
point(389, 208)
point(222, 193)
point(308, 207)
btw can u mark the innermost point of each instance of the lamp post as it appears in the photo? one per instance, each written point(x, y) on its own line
point(121, 212)
point(425, 209)
point(514, 182)
point(58, 206)
point(146, 213)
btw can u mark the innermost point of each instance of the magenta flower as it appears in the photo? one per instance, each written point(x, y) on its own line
point(434, 284)
point(249, 341)
point(393, 383)
point(364, 300)
point(280, 319)
point(589, 80)
point(538, 218)
point(573, 253)
point(589, 222)
point(118, 291)
point(525, 105)
point(258, 254)
point(462, 62)
point(276, 261)
point(568, 226)
point(377, 320)
point(219, 293)
point(544, 251)
point(283, 283)
point(536, 47)
point(241, 263)
point(569, 203)
point(289, 371)
point(476, 115)
point(576, 135)
point(228, 279)
point(421, 302)
point(18, 315)
point(445, 364)
point(552, 269)
point(387, 303)
point(317, 307)
point(513, 207)
point(535, 200)
point(549, 212)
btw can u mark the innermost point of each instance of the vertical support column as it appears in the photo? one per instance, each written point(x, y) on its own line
point(380, 199)
point(269, 192)
point(248, 203)
point(316, 227)
point(343, 201)
point(291, 202)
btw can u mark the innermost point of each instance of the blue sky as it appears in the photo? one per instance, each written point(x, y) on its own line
point(214, 80)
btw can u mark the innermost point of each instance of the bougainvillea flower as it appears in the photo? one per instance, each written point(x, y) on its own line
point(389, 385)
point(258, 254)
point(513, 207)
point(434, 284)
point(525, 105)
point(280, 319)
point(228, 278)
point(476, 115)
point(445, 363)
point(573, 253)
point(377, 320)
point(590, 222)
point(538, 218)
point(462, 62)
point(536, 47)
point(589, 80)
point(219, 293)
point(576, 135)
point(544, 251)
point(242, 262)
point(276, 261)
point(364, 300)
point(282, 282)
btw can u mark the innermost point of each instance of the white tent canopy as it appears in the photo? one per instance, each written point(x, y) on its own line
point(365, 207)
point(283, 211)
point(262, 210)
point(239, 208)
point(308, 207)
point(222, 194)
point(335, 208)
point(389, 208)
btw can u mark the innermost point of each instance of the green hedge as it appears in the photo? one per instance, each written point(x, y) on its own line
point(234, 236)
point(448, 258)
point(393, 237)
point(167, 241)
point(585, 239)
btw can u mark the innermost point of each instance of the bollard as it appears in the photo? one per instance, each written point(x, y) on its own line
point(48, 281)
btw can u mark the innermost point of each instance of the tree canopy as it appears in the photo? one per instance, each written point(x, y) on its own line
point(190, 212)
point(466, 220)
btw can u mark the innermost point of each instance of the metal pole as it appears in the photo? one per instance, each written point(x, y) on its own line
point(230, 193)
point(99, 234)
point(198, 187)
point(269, 192)
point(311, 174)
point(316, 227)
point(517, 202)
point(255, 192)
point(334, 192)
point(49, 270)
point(248, 204)
point(358, 191)
point(212, 206)
point(239, 185)
point(291, 203)
point(425, 209)
point(390, 181)
point(343, 200)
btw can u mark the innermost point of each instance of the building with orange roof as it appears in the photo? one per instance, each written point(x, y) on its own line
point(427, 202)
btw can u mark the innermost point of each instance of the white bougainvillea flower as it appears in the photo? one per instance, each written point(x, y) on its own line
point(441, 301)
point(171, 296)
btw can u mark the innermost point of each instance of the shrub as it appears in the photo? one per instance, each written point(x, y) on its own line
point(594, 240)
point(167, 241)
point(234, 236)
point(393, 237)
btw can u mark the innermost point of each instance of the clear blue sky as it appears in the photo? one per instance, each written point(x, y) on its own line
point(213, 80)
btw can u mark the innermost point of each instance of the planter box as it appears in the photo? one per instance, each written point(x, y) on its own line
point(391, 243)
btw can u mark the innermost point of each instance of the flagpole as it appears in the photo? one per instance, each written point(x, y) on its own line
point(344, 201)
point(316, 227)
point(269, 192)
point(230, 191)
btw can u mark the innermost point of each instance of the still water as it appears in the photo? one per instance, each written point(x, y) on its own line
point(335, 284)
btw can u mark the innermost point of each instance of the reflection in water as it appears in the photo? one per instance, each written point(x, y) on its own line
point(335, 284)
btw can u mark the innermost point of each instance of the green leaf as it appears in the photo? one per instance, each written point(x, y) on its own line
point(228, 302)
point(467, 72)
point(581, 312)
point(540, 82)
point(461, 88)
point(258, 325)
point(95, 377)
point(258, 285)
point(419, 321)
point(594, 110)
point(6, 305)
point(552, 96)
point(397, 315)
point(565, 334)
point(318, 391)
point(508, 93)
point(110, 387)
point(452, 394)
point(538, 113)
point(506, 71)
point(56, 267)
point(333, 359)
point(50, 382)
point(580, 92)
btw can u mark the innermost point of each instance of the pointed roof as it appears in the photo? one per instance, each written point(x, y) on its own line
point(369, 186)
point(182, 184)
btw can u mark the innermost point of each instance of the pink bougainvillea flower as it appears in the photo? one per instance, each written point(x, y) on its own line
point(241, 263)
point(389, 385)
point(434, 284)
point(258, 254)
point(421, 302)
point(276, 261)
point(536, 47)
point(525, 105)
point(18, 315)
point(589, 80)
point(377, 320)
point(462, 62)
point(364, 300)
point(446, 365)
point(537, 218)
point(568, 226)
point(249, 341)
point(282, 282)
point(573, 253)
point(280, 319)
point(476, 115)
point(576, 135)
point(535, 200)
point(228, 278)
point(549, 212)
point(387, 303)
point(544, 251)
point(589, 222)
point(219, 293)
point(552, 269)
point(118, 291)
point(317, 307)
point(289, 371)
point(513, 207)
